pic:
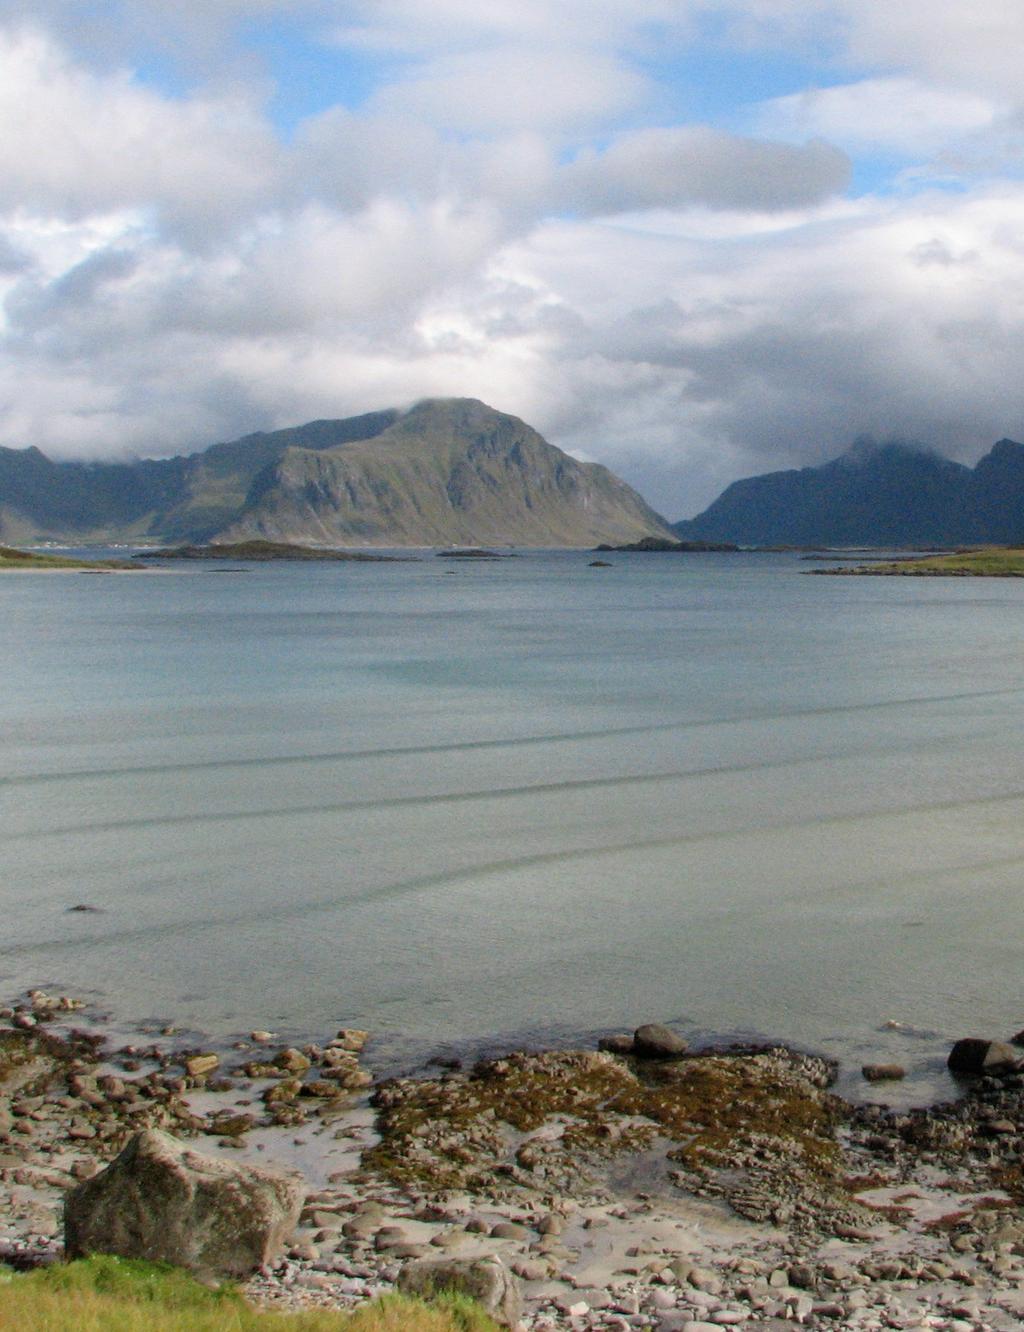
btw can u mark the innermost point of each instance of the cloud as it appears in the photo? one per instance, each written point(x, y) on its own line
point(518, 88)
point(662, 167)
point(511, 213)
point(563, 66)
point(974, 46)
point(778, 353)
point(902, 115)
point(409, 27)
point(77, 143)
point(681, 359)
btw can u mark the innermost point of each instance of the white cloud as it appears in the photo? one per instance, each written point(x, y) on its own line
point(679, 359)
point(898, 114)
point(679, 301)
point(974, 45)
point(517, 88)
point(411, 27)
point(779, 351)
point(76, 143)
point(558, 65)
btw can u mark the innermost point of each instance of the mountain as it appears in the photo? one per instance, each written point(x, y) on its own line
point(171, 498)
point(449, 471)
point(891, 494)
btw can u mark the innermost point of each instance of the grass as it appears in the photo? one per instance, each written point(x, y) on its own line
point(107, 1294)
point(976, 562)
point(11, 558)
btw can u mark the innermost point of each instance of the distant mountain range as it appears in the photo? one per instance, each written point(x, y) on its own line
point(893, 494)
point(450, 471)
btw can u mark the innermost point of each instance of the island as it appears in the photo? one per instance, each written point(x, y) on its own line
point(13, 559)
point(474, 553)
point(265, 550)
point(657, 545)
point(970, 562)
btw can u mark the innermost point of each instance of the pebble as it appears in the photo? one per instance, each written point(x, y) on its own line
point(530, 1271)
point(199, 1065)
point(701, 1279)
point(510, 1230)
point(767, 1281)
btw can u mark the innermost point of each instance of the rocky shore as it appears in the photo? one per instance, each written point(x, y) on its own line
point(637, 1186)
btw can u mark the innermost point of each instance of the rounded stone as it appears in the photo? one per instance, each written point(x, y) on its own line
point(655, 1041)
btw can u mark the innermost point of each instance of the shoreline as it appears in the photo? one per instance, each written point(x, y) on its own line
point(75, 569)
point(725, 1187)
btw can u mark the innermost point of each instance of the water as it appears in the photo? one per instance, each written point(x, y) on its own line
point(472, 804)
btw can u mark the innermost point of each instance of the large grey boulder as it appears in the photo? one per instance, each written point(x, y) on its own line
point(485, 1280)
point(975, 1055)
point(164, 1201)
point(655, 1041)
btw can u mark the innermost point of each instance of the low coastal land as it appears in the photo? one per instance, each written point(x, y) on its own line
point(642, 1185)
point(34, 561)
point(979, 562)
point(262, 551)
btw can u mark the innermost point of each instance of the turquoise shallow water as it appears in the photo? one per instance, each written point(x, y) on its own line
point(477, 803)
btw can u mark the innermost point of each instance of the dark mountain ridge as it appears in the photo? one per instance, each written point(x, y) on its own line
point(891, 494)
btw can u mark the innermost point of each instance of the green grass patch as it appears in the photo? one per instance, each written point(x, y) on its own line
point(977, 562)
point(11, 558)
point(108, 1294)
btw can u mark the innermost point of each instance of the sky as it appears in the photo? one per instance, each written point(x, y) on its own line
point(690, 239)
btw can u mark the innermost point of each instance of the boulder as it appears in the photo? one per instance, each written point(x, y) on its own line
point(620, 1044)
point(975, 1055)
point(293, 1061)
point(485, 1280)
point(163, 1201)
point(883, 1072)
point(654, 1041)
point(351, 1038)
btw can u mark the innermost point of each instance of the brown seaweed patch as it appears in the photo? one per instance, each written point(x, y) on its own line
point(540, 1120)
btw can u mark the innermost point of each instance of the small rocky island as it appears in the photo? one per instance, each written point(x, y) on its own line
point(659, 545)
point(264, 551)
point(641, 1185)
point(475, 553)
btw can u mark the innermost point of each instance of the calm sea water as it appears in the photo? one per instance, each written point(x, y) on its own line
point(469, 804)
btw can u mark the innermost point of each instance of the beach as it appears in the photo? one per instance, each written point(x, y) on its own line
point(604, 1213)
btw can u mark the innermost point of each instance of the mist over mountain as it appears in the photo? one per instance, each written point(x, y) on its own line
point(896, 493)
point(448, 471)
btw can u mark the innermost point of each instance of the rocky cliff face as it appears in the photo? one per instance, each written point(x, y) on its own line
point(889, 494)
point(188, 498)
point(448, 472)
